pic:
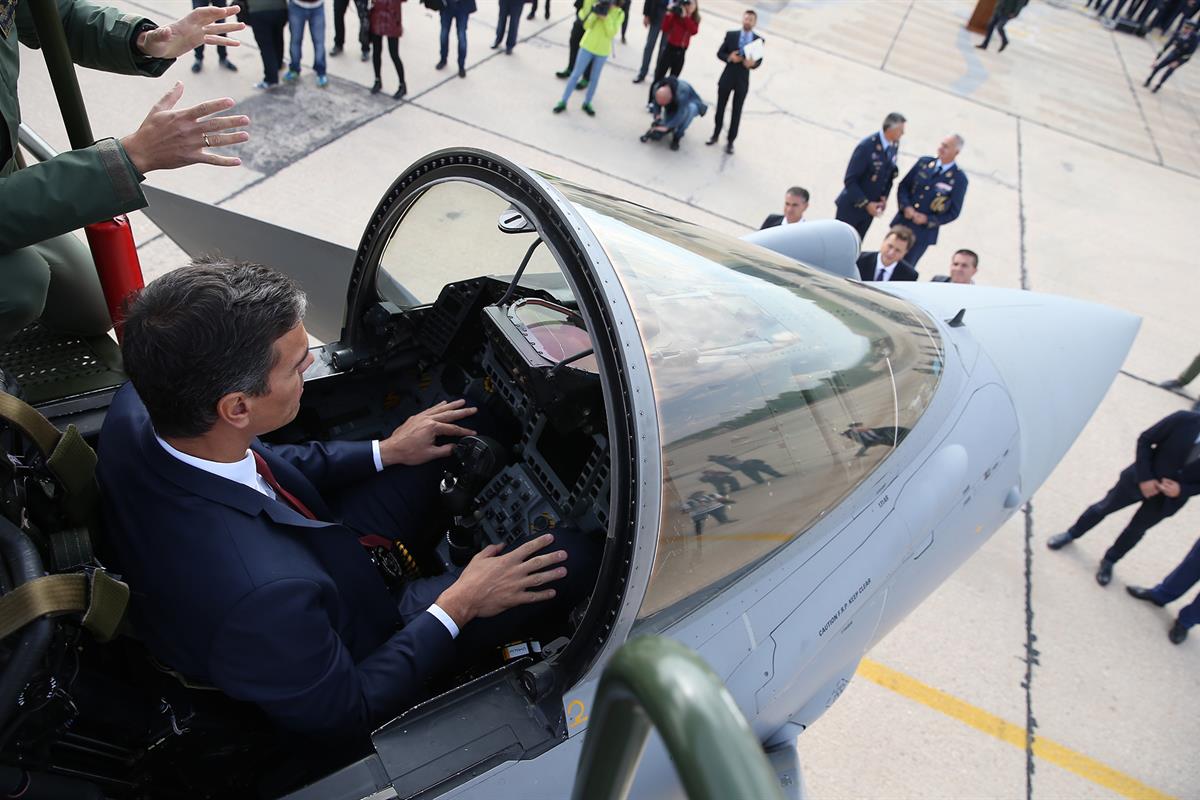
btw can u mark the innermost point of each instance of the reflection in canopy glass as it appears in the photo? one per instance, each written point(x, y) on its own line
point(779, 388)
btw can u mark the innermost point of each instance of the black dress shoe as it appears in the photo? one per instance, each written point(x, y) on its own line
point(639, 79)
point(1142, 593)
point(1104, 574)
point(1177, 633)
point(496, 45)
point(713, 140)
point(1060, 540)
point(441, 64)
point(729, 148)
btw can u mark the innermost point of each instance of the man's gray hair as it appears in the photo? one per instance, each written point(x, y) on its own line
point(893, 119)
point(958, 140)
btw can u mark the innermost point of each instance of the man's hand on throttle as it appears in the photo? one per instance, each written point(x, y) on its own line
point(1149, 488)
point(414, 442)
point(168, 139)
point(205, 25)
point(492, 583)
point(1169, 487)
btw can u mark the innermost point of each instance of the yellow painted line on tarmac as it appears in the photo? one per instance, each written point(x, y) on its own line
point(1087, 768)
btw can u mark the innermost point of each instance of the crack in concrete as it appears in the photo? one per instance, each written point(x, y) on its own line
point(1137, 100)
point(1021, 207)
point(899, 30)
point(1031, 652)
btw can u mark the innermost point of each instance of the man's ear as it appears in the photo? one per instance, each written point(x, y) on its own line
point(234, 410)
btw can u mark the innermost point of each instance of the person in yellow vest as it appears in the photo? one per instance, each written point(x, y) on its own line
point(601, 23)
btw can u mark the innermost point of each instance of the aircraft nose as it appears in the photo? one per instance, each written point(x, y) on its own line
point(1057, 356)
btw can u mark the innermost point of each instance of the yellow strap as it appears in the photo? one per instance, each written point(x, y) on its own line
point(50, 594)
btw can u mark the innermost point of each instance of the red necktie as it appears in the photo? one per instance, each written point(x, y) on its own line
point(367, 540)
point(283, 494)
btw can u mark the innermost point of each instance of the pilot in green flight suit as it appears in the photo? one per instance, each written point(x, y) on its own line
point(45, 270)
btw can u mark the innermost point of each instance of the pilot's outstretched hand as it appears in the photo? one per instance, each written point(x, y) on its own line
point(414, 442)
point(492, 583)
point(168, 139)
point(205, 25)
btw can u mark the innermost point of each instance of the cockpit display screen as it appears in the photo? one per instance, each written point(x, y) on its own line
point(555, 332)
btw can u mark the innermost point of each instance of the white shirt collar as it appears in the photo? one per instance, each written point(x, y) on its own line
point(784, 221)
point(884, 140)
point(243, 472)
point(887, 271)
point(941, 167)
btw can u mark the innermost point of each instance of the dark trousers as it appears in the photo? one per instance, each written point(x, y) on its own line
point(856, 218)
point(573, 49)
point(220, 48)
point(1125, 493)
point(393, 51)
point(651, 45)
point(401, 503)
point(533, 10)
point(1168, 59)
point(996, 24)
point(923, 238)
point(510, 18)
point(339, 23)
point(1175, 585)
point(670, 61)
point(739, 91)
point(459, 20)
point(268, 33)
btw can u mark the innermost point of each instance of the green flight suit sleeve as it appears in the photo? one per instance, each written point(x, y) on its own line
point(73, 189)
point(98, 37)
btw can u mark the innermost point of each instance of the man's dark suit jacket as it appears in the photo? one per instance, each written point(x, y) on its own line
point(1162, 452)
point(771, 221)
point(239, 591)
point(866, 268)
point(734, 74)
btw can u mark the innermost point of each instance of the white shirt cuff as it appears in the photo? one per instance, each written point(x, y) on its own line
point(375, 454)
point(444, 618)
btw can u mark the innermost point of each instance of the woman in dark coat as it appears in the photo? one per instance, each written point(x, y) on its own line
point(385, 21)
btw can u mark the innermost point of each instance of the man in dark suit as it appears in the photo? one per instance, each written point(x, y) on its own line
point(931, 195)
point(253, 567)
point(736, 77)
point(869, 176)
point(1173, 587)
point(1165, 474)
point(888, 263)
point(963, 266)
point(795, 203)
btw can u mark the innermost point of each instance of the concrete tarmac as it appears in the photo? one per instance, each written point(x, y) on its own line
point(1082, 183)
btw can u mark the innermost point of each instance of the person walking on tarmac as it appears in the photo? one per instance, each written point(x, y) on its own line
point(47, 272)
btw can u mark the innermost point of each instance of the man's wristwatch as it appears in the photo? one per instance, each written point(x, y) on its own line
point(138, 54)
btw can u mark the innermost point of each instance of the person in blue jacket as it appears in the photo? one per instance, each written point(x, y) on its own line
point(676, 104)
point(931, 195)
point(870, 174)
point(253, 567)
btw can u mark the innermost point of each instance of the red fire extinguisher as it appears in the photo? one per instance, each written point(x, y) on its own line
point(117, 264)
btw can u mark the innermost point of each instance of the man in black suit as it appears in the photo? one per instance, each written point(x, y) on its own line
point(963, 266)
point(253, 567)
point(1164, 475)
point(736, 77)
point(869, 176)
point(888, 263)
point(795, 203)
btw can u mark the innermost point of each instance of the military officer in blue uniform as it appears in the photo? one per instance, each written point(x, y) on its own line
point(931, 195)
point(870, 174)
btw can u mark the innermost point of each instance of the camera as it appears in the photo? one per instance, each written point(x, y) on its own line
point(676, 8)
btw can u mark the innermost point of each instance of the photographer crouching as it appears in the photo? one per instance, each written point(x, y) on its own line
point(675, 105)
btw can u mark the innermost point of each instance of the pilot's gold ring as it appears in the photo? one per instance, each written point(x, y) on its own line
point(207, 143)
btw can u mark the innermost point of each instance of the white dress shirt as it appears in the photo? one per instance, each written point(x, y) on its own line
point(246, 473)
point(887, 271)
